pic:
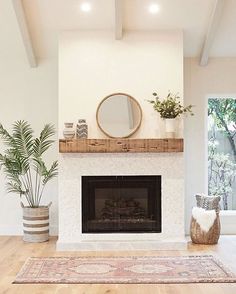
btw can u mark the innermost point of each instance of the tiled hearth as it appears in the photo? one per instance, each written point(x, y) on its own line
point(167, 165)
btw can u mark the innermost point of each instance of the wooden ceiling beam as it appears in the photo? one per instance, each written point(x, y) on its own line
point(24, 30)
point(211, 32)
point(118, 20)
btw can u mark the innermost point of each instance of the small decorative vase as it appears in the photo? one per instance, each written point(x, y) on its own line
point(170, 126)
point(69, 131)
point(36, 223)
point(82, 129)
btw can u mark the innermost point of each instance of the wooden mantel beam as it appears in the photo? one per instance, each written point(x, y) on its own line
point(212, 28)
point(21, 19)
point(118, 20)
point(120, 145)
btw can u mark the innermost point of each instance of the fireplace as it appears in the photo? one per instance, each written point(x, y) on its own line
point(76, 211)
point(121, 204)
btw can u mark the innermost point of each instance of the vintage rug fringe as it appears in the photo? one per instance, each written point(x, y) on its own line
point(124, 270)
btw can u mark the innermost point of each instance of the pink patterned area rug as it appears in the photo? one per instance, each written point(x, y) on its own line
point(123, 270)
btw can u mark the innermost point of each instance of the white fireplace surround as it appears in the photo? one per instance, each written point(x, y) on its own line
point(74, 166)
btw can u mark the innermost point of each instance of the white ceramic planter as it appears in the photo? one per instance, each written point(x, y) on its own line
point(170, 126)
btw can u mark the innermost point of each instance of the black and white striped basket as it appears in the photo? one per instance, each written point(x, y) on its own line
point(36, 223)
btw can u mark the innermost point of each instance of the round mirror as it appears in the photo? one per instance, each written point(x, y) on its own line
point(119, 115)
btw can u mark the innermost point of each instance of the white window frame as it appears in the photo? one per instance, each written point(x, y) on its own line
point(228, 218)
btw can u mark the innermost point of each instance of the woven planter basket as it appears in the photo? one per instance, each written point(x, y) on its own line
point(36, 223)
point(198, 236)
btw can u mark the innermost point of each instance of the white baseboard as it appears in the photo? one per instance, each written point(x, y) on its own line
point(7, 230)
point(53, 231)
point(228, 222)
point(15, 230)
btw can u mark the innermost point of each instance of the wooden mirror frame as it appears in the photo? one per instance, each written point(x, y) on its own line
point(132, 98)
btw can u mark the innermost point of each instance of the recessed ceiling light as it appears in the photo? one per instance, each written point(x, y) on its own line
point(85, 7)
point(154, 8)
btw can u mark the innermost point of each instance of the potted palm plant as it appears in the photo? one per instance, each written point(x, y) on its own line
point(169, 109)
point(27, 174)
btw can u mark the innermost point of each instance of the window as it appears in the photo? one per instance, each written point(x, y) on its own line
point(222, 150)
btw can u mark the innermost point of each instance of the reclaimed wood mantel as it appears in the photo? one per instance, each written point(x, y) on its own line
point(120, 145)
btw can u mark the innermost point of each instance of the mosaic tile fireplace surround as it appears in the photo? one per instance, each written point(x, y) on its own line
point(125, 210)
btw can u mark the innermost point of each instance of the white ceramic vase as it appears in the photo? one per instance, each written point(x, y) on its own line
point(69, 131)
point(170, 126)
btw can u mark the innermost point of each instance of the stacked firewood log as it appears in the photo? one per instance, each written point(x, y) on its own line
point(122, 209)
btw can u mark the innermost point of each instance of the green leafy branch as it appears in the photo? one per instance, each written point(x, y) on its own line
point(170, 107)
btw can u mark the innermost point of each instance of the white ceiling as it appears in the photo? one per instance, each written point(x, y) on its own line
point(10, 39)
point(46, 18)
point(225, 41)
point(191, 16)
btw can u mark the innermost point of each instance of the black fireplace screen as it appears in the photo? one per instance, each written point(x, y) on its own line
point(121, 204)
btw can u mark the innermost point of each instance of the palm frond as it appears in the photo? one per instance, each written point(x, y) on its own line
point(51, 173)
point(15, 188)
point(42, 143)
point(12, 171)
point(1, 159)
point(39, 166)
point(10, 166)
point(23, 138)
point(6, 137)
point(13, 164)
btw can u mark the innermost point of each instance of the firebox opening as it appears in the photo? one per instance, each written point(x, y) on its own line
point(121, 204)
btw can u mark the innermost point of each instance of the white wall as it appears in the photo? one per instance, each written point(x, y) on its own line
point(217, 78)
point(93, 65)
point(29, 94)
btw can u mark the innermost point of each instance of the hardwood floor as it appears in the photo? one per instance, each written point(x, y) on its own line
point(14, 252)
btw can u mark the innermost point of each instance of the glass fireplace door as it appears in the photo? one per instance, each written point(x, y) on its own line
point(121, 204)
